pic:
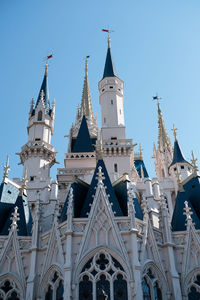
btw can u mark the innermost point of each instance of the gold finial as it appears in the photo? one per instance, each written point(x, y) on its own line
point(140, 151)
point(174, 132)
point(194, 162)
point(46, 69)
point(108, 41)
point(6, 169)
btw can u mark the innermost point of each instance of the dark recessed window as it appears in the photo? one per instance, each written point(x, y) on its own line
point(37, 139)
point(182, 167)
point(111, 101)
point(9, 192)
point(104, 120)
point(113, 138)
point(111, 87)
point(31, 178)
point(175, 169)
point(103, 90)
point(115, 167)
point(40, 115)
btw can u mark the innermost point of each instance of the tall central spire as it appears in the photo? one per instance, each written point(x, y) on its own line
point(86, 103)
point(163, 139)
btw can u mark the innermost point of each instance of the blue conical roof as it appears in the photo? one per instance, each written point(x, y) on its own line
point(83, 142)
point(178, 156)
point(109, 69)
point(45, 89)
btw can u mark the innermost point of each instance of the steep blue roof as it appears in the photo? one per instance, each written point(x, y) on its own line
point(109, 69)
point(138, 163)
point(25, 218)
point(191, 194)
point(121, 192)
point(45, 89)
point(83, 142)
point(80, 190)
point(178, 156)
point(109, 191)
point(8, 193)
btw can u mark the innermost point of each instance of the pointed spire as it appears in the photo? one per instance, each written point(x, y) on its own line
point(6, 169)
point(178, 156)
point(163, 139)
point(45, 89)
point(109, 69)
point(86, 103)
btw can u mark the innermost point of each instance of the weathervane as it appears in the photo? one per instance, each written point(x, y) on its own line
point(157, 98)
point(108, 32)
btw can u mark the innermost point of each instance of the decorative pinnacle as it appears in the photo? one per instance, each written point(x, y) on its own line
point(86, 65)
point(42, 95)
point(178, 178)
point(194, 162)
point(100, 176)
point(24, 180)
point(6, 169)
point(188, 213)
point(174, 132)
point(71, 197)
point(14, 218)
point(140, 151)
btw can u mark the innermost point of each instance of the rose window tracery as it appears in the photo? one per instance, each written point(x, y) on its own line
point(103, 277)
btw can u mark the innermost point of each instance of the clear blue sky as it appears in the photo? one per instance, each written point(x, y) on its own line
point(156, 48)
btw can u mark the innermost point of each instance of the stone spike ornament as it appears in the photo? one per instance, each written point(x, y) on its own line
point(100, 176)
point(6, 169)
point(14, 218)
point(194, 162)
point(188, 213)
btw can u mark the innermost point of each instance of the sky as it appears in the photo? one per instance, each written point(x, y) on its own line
point(155, 47)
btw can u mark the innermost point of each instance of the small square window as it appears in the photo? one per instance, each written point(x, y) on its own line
point(31, 178)
point(182, 167)
point(9, 192)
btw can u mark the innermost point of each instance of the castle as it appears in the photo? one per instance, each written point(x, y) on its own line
point(104, 229)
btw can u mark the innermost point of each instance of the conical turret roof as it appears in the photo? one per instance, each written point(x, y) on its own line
point(45, 89)
point(109, 69)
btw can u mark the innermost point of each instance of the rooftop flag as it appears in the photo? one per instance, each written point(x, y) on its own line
point(49, 56)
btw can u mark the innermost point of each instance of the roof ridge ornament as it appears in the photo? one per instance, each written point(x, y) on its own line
point(188, 213)
point(6, 169)
point(100, 177)
point(14, 219)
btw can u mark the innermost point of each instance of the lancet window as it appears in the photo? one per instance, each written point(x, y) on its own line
point(9, 290)
point(150, 287)
point(103, 277)
point(40, 115)
point(194, 290)
point(55, 289)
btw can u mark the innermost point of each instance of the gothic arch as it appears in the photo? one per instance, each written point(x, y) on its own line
point(54, 275)
point(154, 277)
point(121, 273)
point(10, 283)
point(192, 281)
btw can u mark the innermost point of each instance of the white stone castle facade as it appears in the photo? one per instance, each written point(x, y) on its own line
point(104, 229)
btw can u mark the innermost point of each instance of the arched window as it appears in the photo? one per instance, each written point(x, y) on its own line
point(55, 289)
point(9, 290)
point(150, 287)
point(103, 277)
point(40, 115)
point(194, 290)
point(115, 168)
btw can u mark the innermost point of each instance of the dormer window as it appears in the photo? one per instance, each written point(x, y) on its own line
point(40, 115)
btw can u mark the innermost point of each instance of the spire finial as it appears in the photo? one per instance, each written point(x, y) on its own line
point(108, 32)
point(24, 180)
point(194, 162)
point(86, 65)
point(188, 213)
point(46, 69)
point(140, 151)
point(108, 41)
point(6, 169)
point(100, 176)
point(14, 218)
point(174, 132)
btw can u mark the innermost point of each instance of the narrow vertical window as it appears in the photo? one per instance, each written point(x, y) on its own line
point(111, 101)
point(115, 167)
point(40, 115)
point(104, 120)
